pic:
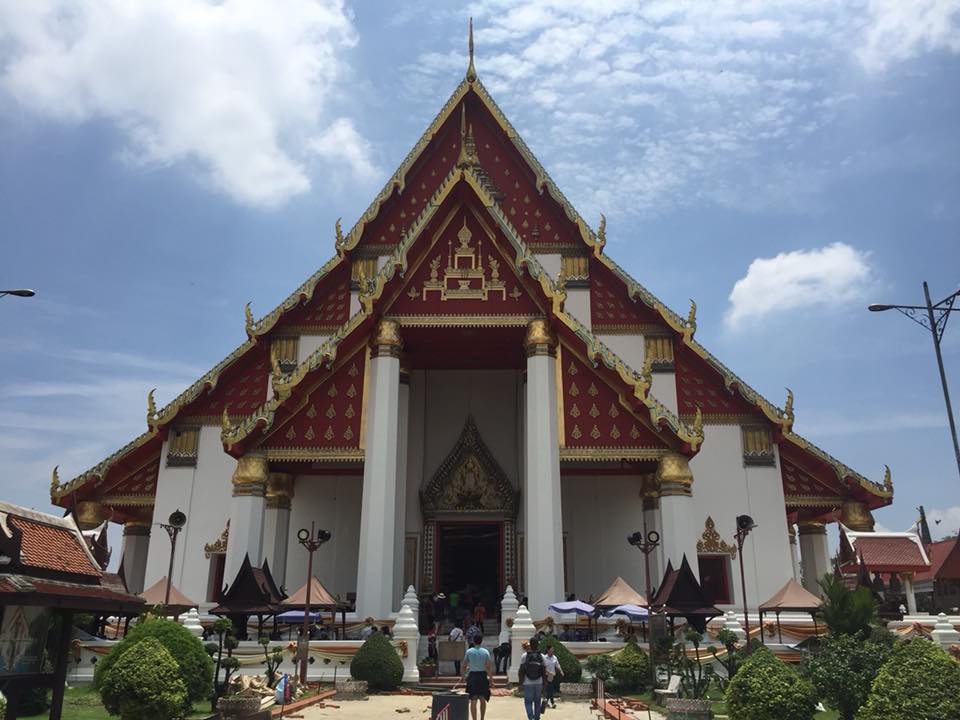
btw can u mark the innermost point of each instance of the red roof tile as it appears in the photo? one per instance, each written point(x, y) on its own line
point(944, 561)
point(52, 548)
point(889, 554)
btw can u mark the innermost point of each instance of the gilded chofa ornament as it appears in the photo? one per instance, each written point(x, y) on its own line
point(887, 480)
point(601, 234)
point(275, 371)
point(338, 234)
point(471, 69)
point(248, 320)
point(54, 481)
point(698, 422)
point(691, 324)
point(151, 409)
point(788, 408)
point(711, 542)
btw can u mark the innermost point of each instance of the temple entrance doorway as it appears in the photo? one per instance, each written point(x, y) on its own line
point(470, 562)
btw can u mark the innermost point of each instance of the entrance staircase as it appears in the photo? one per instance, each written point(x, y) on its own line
point(446, 683)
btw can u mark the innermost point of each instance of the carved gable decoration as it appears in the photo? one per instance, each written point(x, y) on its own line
point(711, 542)
point(469, 480)
point(218, 546)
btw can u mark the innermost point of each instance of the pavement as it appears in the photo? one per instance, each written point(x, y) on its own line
point(414, 707)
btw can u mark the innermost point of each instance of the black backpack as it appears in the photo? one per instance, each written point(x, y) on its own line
point(532, 667)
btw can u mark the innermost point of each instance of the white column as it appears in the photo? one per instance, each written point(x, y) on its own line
point(400, 529)
point(246, 514)
point(276, 528)
point(794, 556)
point(651, 518)
point(378, 506)
point(679, 532)
point(907, 579)
point(522, 629)
point(814, 554)
point(543, 523)
point(136, 543)
point(406, 629)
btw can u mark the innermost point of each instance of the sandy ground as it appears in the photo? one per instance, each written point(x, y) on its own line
point(386, 706)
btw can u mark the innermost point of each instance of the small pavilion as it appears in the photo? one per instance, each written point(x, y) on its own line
point(156, 594)
point(895, 553)
point(252, 592)
point(792, 597)
point(680, 595)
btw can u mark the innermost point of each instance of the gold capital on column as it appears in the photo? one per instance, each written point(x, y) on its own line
point(855, 515)
point(136, 527)
point(540, 339)
point(386, 339)
point(279, 490)
point(89, 514)
point(811, 527)
point(250, 477)
point(674, 475)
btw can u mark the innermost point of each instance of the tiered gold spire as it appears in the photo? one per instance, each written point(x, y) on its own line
point(471, 70)
point(468, 146)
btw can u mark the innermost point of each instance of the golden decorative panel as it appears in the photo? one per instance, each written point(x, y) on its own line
point(285, 348)
point(757, 445)
point(659, 348)
point(711, 542)
point(575, 270)
point(182, 447)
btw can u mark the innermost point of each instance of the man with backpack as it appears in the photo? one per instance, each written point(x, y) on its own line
point(532, 676)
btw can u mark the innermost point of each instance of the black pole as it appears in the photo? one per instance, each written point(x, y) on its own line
point(943, 376)
point(60, 669)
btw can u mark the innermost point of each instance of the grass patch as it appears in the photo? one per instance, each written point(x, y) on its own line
point(83, 703)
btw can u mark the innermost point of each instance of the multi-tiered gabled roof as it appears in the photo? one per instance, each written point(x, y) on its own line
point(470, 166)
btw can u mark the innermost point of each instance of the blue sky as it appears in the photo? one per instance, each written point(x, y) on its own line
point(782, 163)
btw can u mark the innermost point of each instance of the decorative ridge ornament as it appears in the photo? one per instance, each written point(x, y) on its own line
point(339, 241)
point(218, 546)
point(468, 148)
point(691, 324)
point(711, 542)
point(887, 479)
point(225, 426)
point(698, 422)
point(601, 235)
point(151, 410)
point(788, 409)
point(55, 480)
point(248, 320)
point(471, 69)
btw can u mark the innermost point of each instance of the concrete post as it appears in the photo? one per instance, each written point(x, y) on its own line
point(814, 554)
point(406, 629)
point(136, 544)
point(246, 514)
point(508, 611)
point(908, 591)
point(522, 630)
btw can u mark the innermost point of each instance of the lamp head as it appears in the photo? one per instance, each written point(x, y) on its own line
point(19, 292)
point(877, 307)
point(635, 539)
point(177, 519)
point(745, 523)
point(303, 535)
point(653, 537)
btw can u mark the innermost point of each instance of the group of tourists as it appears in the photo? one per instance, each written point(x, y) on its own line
point(463, 607)
point(538, 673)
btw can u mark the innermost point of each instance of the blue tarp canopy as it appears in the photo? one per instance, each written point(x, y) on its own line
point(573, 606)
point(634, 612)
point(292, 617)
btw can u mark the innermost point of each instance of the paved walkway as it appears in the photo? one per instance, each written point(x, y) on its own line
point(412, 707)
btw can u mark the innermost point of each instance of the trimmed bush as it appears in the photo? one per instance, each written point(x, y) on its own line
point(918, 680)
point(568, 663)
point(842, 670)
point(600, 666)
point(377, 662)
point(631, 668)
point(35, 701)
point(766, 688)
point(144, 684)
point(195, 666)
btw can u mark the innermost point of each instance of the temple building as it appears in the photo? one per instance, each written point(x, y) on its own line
point(472, 392)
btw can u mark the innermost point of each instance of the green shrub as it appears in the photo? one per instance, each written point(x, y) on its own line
point(631, 668)
point(144, 684)
point(600, 666)
point(568, 663)
point(766, 688)
point(846, 611)
point(843, 668)
point(377, 662)
point(195, 666)
point(918, 680)
point(35, 701)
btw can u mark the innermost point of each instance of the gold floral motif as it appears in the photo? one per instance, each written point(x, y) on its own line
point(311, 412)
point(574, 411)
point(575, 433)
point(291, 433)
point(634, 432)
point(615, 432)
point(353, 372)
point(331, 412)
point(349, 412)
point(595, 433)
point(348, 433)
point(594, 411)
point(351, 391)
point(332, 391)
point(310, 434)
point(613, 412)
point(328, 434)
point(711, 542)
point(572, 370)
point(574, 390)
point(593, 390)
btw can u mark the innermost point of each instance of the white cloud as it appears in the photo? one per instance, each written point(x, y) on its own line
point(235, 88)
point(902, 29)
point(945, 521)
point(824, 277)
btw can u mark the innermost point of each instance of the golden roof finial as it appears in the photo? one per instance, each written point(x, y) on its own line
point(788, 407)
point(602, 230)
point(151, 409)
point(248, 320)
point(692, 316)
point(887, 479)
point(55, 480)
point(471, 70)
point(225, 419)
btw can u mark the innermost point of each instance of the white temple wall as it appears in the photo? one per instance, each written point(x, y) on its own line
point(722, 489)
point(551, 263)
point(203, 493)
point(598, 515)
point(631, 349)
point(333, 503)
point(307, 345)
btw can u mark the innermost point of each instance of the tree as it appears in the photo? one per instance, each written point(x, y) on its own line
point(631, 668)
point(842, 670)
point(918, 680)
point(732, 659)
point(194, 666)
point(846, 611)
point(377, 662)
point(766, 688)
point(223, 629)
point(145, 684)
point(600, 666)
point(694, 677)
point(272, 659)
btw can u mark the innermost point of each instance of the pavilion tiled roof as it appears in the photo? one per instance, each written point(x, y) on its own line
point(52, 548)
point(888, 552)
point(944, 561)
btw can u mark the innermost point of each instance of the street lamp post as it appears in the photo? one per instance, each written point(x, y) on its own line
point(745, 524)
point(19, 292)
point(173, 526)
point(311, 540)
point(925, 316)
point(646, 542)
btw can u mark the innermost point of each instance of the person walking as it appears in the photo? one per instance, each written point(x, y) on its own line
point(551, 665)
point(479, 614)
point(532, 675)
point(478, 674)
point(456, 635)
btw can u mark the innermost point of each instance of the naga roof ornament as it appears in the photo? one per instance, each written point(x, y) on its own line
point(691, 324)
point(151, 409)
point(248, 320)
point(887, 479)
point(788, 415)
point(55, 480)
point(340, 242)
point(471, 69)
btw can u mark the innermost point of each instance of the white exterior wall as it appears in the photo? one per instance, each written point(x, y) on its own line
point(578, 304)
point(631, 349)
point(723, 488)
point(307, 345)
point(598, 515)
point(333, 503)
point(204, 494)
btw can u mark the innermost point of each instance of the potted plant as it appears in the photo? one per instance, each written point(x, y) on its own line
point(240, 705)
point(428, 668)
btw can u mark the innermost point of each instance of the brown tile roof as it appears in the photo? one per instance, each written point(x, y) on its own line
point(52, 548)
point(886, 553)
point(944, 561)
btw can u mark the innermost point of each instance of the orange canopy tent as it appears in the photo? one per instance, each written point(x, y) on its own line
point(619, 593)
point(320, 597)
point(156, 594)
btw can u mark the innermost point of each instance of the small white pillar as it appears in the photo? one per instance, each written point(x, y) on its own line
point(246, 514)
point(542, 515)
point(378, 503)
point(522, 630)
point(944, 633)
point(406, 629)
point(731, 623)
point(276, 540)
point(508, 611)
point(191, 621)
point(411, 599)
point(814, 554)
point(136, 544)
point(908, 591)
